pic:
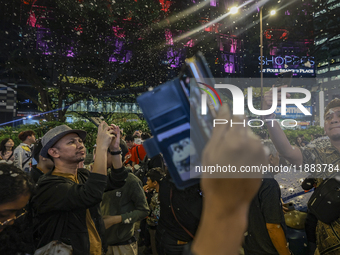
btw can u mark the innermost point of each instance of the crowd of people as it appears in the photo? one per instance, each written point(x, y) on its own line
point(124, 200)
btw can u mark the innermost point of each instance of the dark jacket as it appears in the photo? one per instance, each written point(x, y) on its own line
point(128, 201)
point(187, 206)
point(36, 173)
point(58, 200)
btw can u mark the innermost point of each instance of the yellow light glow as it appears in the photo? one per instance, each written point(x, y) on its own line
point(272, 12)
point(233, 10)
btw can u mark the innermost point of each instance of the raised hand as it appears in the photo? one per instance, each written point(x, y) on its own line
point(104, 136)
point(114, 146)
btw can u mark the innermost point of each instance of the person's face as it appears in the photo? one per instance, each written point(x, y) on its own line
point(332, 123)
point(70, 148)
point(150, 183)
point(299, 140)
point(9, 143)
point(32, 138)
point(129, 144)
point(12, 210)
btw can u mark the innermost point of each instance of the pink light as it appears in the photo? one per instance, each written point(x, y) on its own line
point(32, 20)
point(273, 51)
point(190, 43)
point(118, 32)
point(168, 37)
point(233, 46)
point(287, 12)
point(213, 3)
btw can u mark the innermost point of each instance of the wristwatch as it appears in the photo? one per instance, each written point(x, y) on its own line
point(114, 152)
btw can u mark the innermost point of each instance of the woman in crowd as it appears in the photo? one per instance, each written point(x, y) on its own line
point(6, 150)
point(15, 190)
point(299, 142)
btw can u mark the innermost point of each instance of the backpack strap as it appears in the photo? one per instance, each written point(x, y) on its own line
point(138, 153)
point(10, 156)
point(26, 161)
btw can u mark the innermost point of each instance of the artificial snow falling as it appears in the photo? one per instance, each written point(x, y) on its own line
point(290, 183)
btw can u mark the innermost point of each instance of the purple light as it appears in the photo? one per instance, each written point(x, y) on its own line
point(41, 44)
point(213, 3)
point(229, 63)
point(287, 12)
point(70, 53)
point(173, 57)
point(229, 68)
point(124, 59)
point(119, 54)
point(119, 46)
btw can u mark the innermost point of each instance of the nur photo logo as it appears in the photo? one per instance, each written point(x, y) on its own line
point(238, 102)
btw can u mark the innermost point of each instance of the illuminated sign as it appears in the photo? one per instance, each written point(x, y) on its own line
point(286, 60)
point(283, 70)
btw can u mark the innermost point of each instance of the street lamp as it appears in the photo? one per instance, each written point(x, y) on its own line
point(234, 10)
point(272, 12)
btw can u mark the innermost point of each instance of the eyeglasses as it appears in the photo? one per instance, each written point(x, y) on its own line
point(20, 213)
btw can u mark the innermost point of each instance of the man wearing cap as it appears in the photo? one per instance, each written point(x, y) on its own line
point(327, 235)
point(70, 197)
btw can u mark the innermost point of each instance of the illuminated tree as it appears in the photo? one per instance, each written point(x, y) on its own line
point(67, 50)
